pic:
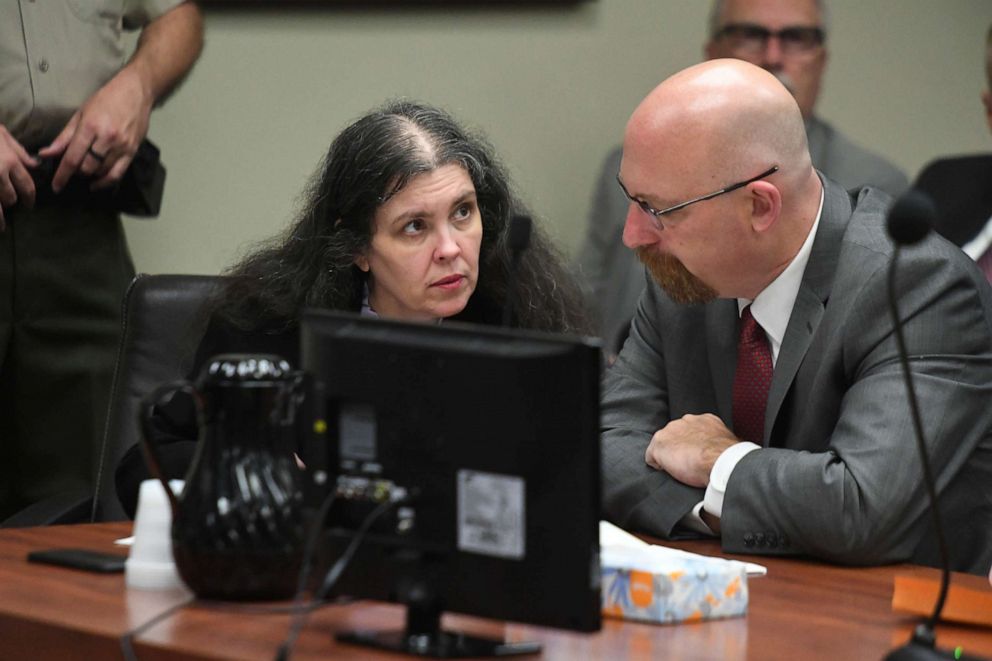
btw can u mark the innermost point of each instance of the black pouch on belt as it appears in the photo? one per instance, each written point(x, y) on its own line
point(138, 193)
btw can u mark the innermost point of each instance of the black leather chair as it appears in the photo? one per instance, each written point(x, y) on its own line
point(162, 320)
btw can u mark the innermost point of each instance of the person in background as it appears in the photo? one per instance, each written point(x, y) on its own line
point(787, 38)
point(406, 219)
point(961, 188)
point(69, 100)
point(759, 397)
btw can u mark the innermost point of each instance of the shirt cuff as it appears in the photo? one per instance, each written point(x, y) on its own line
point(720, 475)
point(694, 522)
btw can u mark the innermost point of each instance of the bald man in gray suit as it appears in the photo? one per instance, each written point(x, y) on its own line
point(785, 37)
point(737, 228)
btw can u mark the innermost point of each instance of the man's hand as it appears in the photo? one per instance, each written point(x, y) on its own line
point(688, 447)
point(102, 137)
point(15, 180)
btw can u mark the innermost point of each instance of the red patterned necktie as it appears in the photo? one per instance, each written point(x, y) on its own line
point(752, 380)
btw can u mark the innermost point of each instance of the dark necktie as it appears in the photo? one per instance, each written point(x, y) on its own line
point(752, 380)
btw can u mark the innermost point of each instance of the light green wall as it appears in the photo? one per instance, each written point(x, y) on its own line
point(551, 86)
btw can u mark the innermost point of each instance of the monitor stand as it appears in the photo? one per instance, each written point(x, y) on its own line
point(423, 636)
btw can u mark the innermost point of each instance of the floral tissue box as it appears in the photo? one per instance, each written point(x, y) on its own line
point(658, 584)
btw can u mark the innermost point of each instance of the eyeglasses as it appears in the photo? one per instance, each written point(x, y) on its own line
point(657, 214)
point(751, 38)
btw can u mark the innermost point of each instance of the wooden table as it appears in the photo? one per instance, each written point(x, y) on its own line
point(801, 610)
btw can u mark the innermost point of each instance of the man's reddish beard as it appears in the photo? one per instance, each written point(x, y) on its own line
point(680, 285)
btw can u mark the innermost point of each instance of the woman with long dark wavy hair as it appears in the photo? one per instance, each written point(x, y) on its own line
point(319, 261)
point(407, 218)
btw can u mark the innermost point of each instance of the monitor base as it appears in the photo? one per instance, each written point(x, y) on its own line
point(424, 637)
point(439, 645)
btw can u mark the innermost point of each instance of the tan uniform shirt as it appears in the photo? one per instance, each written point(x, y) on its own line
point(54, 54)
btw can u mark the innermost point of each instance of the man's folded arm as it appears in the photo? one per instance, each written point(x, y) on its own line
point(635, 405)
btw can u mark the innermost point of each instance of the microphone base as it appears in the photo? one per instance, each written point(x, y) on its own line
point(918, 652)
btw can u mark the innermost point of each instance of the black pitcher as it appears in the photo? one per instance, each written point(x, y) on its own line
point(237, 527)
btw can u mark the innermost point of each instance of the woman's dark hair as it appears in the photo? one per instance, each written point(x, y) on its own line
point(312, 264)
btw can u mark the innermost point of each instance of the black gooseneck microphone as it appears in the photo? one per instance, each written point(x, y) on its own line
point(909, 221)
point(518, 238)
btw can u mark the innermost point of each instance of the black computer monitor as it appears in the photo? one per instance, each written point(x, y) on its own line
point(489, 441)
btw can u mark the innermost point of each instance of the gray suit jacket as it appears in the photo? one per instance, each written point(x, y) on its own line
point(613, 277)
point(840, 477)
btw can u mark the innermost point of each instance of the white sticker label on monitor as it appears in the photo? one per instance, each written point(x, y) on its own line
point(358, 429)
point(491, 517)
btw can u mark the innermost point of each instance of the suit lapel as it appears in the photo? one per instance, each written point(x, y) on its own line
point(814, 291)
point(805, 319)
point(721, 345)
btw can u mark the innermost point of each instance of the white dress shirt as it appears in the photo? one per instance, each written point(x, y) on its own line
point(982, 242)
